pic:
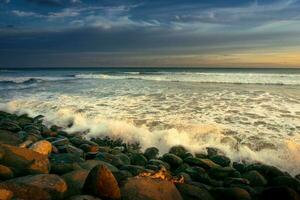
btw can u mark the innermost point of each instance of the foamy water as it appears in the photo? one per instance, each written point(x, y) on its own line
point(250, 115)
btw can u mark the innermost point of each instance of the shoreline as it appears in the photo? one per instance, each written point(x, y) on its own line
point(111, 169)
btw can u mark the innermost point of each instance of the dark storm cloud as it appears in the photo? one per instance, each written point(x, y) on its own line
point(99, 30)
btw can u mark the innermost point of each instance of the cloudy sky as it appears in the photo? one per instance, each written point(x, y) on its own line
point(150, 33)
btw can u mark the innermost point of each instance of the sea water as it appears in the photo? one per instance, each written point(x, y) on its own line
point(250, 114)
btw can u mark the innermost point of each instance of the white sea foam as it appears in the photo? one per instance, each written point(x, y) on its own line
point(234, 78)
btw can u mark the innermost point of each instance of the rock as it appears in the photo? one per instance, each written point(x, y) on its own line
point(179, 151)
point(159, 163)
point(279, 193)
point(198, 174)
point(241, 167)
point(32, 128)
point(221, 160)
point(138, 159)
point(101, 183)
point(152, 167)
point(89, 148)
point(151, 153)
point(122, 175)
point(173, 160)
point(24, 120)
point(133, 169)
point(24, 161)
point(144, 188)
point(236, 182)
point(9, 126)
point(255, 178)
point(5, 173)
point(65, 162)
point(205, 163)
point(36, 187)
point(230, 194)
point(90, 164)
point(213, 152)
point(122, 158)
point(83, 197)
point(60, 142)
point(43, 147)
point(192, 192)
point(220, 173)
point(8, 137)
point(269, 172)
point(201, 155)
point(6, 194)
point(286, 181)
point(70, 149)
point(75, 181)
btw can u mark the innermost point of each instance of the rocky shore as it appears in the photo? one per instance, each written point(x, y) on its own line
point(40, 163)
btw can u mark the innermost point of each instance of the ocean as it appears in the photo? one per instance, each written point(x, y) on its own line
point(250, 114)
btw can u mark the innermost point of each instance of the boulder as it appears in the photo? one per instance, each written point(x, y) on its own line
point(138, 159)
point(89, 148)
point(173, 160)
point(269, 172)
point(220, 173)
point(70, 149)
point(83, 197)
point(122, 175)
point(43, 147)
point(287, 181)
point(90, 164)
point(102, 183)
point(36, 187)
point(5, 173)
point(75, 181)
point(255, 178)
point(133, 169)
point(220, 160)
point(125, 160)
point(159, 163)
point(24, 161)
point(230, 194)
point(60, 142)
point(6, 194)
point(211, 151)
point(204, 163)
point(179, 151)
point(241, 167)
point(279, 193)
point(145, 188)
point(65, 162)
point(192, 192)
point(9, 125)
point(151, 153)
point(8, 137)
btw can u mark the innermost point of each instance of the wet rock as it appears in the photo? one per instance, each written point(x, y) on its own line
point(90, 164)
point(138, 159)
point(6, 194)
point(83, 197)
point(152, 167)
point(236, 182)
point(286, 181)
point(122, 175)
point(89, 148)
point(125, 160)
point(220, 173)
point(133, 169)
point(61, 142)
point(204, 163)
point(75, 181)
point(36, 187)
point(143, 188)
point(65, 162)
point(221, 160)
point(24, 161)
point(159, 163)
point(151, 153)
point(200, 155)
point(213, 152)
point(255, 178)
point(173, 160)
point(43, 147)
point(192, 192)
point(279, 193)
point(71, 149)
point(269, 172)
point(24, 120)
point(32, 128)
point(5, 173)
point(230, 194)
point(179, 151)
point(8, 137)
point(9, 126)
point(33, 137)
point(241, 167)
point(101, 183)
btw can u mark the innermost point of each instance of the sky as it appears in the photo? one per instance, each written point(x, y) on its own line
point(150, 33)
